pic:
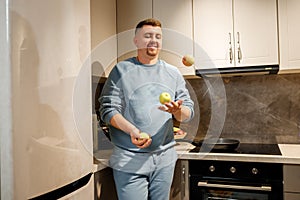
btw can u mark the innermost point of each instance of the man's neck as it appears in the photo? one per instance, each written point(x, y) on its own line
point(147, 60)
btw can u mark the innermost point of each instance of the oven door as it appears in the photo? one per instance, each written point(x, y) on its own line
point(220, 190)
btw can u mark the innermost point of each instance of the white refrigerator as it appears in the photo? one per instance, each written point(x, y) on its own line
point(50, 125)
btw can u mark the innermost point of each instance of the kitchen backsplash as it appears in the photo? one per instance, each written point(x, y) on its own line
point(259, 108)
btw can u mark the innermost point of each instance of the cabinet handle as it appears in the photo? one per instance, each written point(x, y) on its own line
point(239, 47)
point(183, 182)
point(230, 49)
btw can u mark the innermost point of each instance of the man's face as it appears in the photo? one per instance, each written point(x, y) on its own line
point(148, 40)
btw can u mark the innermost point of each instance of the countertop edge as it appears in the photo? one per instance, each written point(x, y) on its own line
point(290, 155)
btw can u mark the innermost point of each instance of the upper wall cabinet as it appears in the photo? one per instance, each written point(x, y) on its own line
point(129, 13)
point(177, 21)
point(103, 42)
point(176, 17)
point(232, 33)
point(289, 32)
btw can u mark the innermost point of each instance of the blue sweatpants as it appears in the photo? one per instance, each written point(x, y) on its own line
point(154, 185)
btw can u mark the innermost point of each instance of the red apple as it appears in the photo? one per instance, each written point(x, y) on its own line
point(188, 60)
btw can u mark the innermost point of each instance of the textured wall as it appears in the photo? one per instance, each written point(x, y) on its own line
point(259, 108)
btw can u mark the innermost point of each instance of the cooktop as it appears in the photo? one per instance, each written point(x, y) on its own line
point(245, 148)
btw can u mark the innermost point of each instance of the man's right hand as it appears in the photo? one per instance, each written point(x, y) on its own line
point(140, 142)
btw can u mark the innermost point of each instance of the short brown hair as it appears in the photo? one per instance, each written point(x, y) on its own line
point(150, 21)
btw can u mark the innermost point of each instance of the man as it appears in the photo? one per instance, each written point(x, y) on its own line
point(143, 168)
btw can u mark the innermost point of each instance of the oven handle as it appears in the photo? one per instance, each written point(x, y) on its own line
point(244, 187)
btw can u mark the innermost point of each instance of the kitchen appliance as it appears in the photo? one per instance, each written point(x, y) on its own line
point(235, 180)
point(50, 100)
point(243, 148)
point(238, 71)
point(225, 144)
point(213, 179)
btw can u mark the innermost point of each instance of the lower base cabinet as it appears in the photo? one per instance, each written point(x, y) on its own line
point(291, 196)
point(291, 177)
point(180, 184)
point(104, 185)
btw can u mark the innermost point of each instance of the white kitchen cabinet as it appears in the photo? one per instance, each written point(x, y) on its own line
point(103, 36)
point(291, 177)
point(231, 33)
point(289, 31)
point(176, 18)
point(129, 13)
point(177, 21)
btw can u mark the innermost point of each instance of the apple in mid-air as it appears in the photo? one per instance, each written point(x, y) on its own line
point(188, 60)
point(164, 98)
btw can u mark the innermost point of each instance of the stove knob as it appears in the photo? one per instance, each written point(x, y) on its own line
point(212, 168)
point(232, 170)
point(254, 171)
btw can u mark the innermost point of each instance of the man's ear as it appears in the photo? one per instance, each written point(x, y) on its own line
point(135, 41)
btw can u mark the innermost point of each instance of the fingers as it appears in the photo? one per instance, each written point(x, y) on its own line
point(171, 107)
point(141, 143)
point(144, 143)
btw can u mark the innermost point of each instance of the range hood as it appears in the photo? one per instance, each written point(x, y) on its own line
point(238, 71)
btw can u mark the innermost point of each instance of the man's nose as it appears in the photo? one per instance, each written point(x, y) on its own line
point(154, 39)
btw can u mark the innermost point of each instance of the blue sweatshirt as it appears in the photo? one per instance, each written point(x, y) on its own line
point(132, 89)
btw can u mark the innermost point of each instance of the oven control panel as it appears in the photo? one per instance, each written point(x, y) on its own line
point(233, 169)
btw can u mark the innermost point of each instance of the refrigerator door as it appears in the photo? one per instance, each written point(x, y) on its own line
point(79, 189)
point(51, 94)
point(82, 193)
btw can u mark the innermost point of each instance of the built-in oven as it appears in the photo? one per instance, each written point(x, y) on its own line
point(235, 180)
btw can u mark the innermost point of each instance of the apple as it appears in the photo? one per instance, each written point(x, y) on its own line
point(144, 135)
point(188, 60)
point(164, 98)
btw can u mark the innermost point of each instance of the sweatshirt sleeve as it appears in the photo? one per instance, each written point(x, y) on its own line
point(183, 94)
point(111, 97)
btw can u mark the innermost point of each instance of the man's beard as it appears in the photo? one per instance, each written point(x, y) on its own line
point(152, 52)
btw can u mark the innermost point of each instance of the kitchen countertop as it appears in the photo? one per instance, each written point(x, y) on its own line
point(290, 155)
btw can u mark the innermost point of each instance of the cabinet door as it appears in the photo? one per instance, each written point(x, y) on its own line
point(176, 17)
point(291, 177)
point(180, 184)
point(104, 185)
point(212, 28)
point(218, 24)
point(129, 13)
point(256, 23)
point(289, 31)
point(104, 45)
point(291, 196)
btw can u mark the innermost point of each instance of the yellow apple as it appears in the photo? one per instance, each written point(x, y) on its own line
point(188, 60)
point(164, 98)
point(175, 129)
point(144, 135)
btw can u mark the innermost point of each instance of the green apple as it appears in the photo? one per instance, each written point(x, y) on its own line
point(164, 98)
point(188, 60)
point(144, 135)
